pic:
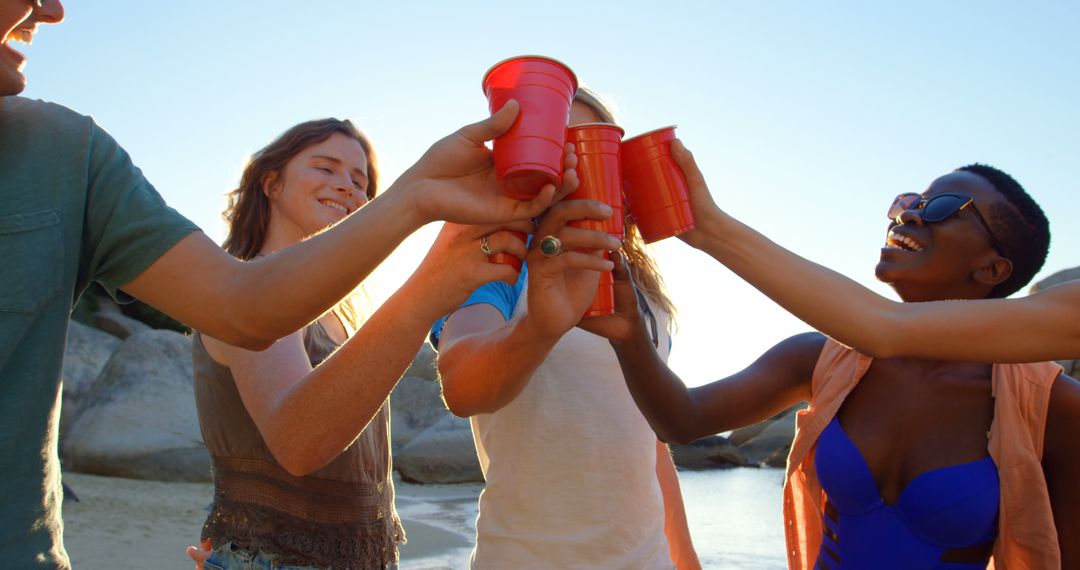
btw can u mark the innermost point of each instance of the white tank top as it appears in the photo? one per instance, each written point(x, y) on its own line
point(570, 466)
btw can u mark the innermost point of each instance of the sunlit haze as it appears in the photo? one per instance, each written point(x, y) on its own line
point(807, 118)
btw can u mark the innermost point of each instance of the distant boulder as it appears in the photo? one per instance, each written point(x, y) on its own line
point(707, 453)
point(773, 440)
point(85, 355)
point(424, 364)
point(444, 453)
point(138, 420)
point(119, 325)
point(415, 405)
point(1056, 279)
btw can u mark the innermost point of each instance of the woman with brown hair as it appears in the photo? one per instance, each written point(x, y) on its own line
point(575, 477)
point(299, 433)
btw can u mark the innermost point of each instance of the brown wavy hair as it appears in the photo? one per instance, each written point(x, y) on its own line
point(637, 252)
point(248, 209)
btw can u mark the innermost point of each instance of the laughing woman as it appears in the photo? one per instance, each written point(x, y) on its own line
point(299, 434)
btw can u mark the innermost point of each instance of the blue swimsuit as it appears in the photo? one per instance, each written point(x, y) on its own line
point(940, 510)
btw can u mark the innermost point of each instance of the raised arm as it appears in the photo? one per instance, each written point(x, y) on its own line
point(485, 360)
point(308, 416)
point(678, 414)
point(252, 304)
point(1043, 326)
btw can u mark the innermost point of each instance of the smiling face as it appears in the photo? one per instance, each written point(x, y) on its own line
point(18, 23)
point(318, 188)
point(950, 259)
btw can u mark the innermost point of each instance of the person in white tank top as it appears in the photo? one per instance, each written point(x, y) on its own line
point(575, 477)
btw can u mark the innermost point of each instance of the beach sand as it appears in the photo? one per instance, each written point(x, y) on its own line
point(129, 524)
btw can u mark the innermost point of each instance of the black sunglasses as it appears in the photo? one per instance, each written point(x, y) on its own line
point(939, 208)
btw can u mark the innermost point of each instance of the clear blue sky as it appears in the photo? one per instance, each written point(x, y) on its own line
point(807, 117)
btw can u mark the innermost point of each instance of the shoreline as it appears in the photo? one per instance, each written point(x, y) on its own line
point(135, 524)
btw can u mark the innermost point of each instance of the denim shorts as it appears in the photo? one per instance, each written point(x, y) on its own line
point(230, 557)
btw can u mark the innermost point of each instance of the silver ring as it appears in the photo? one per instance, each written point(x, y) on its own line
point(550, 246)
point(486, 247)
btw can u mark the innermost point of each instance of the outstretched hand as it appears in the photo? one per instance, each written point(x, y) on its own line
point(626, 320)
point(455, 180)
point(562, 286)
point(701, 201)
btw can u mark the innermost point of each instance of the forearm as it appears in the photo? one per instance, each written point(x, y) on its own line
point(483, 372)
point(676, 528)
point(323, 414)
point(663, 398)
point(302, 282)
point(827, 300)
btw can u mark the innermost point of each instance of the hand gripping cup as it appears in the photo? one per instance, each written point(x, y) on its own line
point(599, 178)
point(509, 258)
point(604, 301)
point(655, 187)
point(530, 154)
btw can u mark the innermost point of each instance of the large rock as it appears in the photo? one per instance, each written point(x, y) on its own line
point(774, 439)
point(118, 324)
point(424, 364)
point(1072, 367)
point(139, 420)
point(85, 355)
point(444, 453)
point(745, 434)
point(707, 453)
point(1056, 279)
point(415, 405)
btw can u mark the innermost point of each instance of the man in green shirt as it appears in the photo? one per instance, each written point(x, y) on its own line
point(74, 209)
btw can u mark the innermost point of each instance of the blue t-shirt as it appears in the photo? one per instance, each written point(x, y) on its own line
point(497, 294)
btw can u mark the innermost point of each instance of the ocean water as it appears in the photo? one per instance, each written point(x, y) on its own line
point(734, 516)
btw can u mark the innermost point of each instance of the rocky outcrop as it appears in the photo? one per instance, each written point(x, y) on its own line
point(707, 453)
point(1072, 367)
point(770, 446)
point(444, 453)
point(87, 351)
point(415, 405)
point(138, 419)
point(118, 324)
point(1056, 279)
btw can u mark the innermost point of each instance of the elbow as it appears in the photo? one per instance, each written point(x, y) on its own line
point(296, 462)
point(678, 436)
point(459, 404)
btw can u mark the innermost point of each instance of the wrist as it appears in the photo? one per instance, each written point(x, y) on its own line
point(533, 332)
point(408, 194)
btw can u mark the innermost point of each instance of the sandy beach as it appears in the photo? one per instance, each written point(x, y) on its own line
point(128, 524)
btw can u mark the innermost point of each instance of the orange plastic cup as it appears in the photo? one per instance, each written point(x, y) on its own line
point(599, 176)
point(655, 187)
point(604, 302)
point(530, 154)
point(507, 258)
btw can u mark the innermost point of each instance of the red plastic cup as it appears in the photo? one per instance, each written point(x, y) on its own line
point(655, 187)
point(604, 302)
point(599, 176)
point(530, 154)
point(509, 258)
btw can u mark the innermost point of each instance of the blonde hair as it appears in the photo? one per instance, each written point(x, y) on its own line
point(638, 254)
